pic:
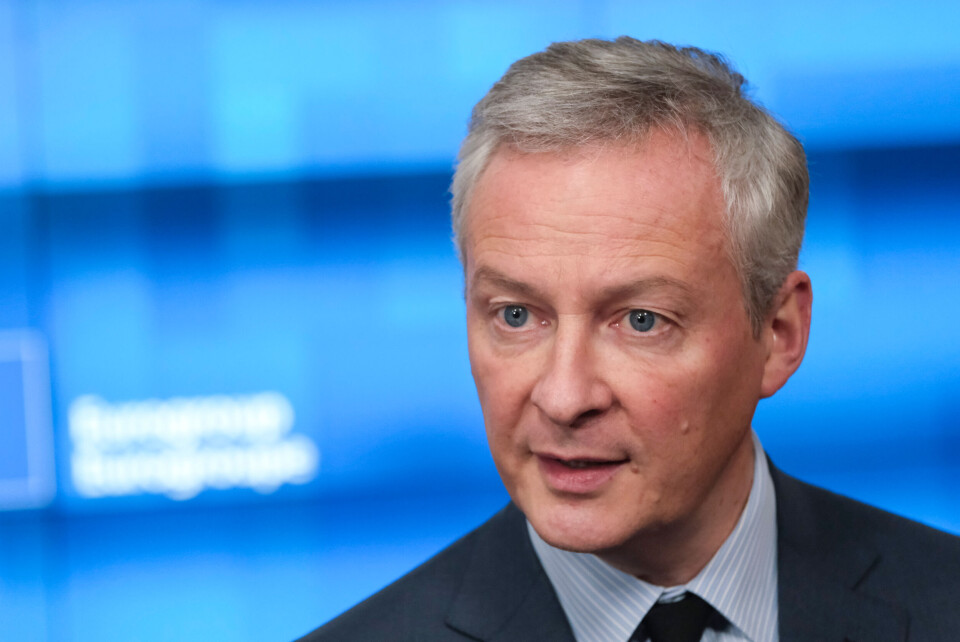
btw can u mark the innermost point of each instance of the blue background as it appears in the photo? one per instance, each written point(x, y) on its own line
point(201, 198)
point(13, 457)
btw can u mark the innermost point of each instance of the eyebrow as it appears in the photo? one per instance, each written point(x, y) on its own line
point(498, 279)
point(640, 286)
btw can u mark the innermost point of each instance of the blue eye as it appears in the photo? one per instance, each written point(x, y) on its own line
point(515, 315)
point(642, 320)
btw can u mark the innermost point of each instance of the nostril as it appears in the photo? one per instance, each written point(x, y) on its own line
point(585, 417)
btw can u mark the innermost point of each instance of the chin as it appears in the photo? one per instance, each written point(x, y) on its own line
point(580, 529)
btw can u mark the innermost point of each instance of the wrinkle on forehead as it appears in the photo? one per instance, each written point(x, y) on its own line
point(583, 217)
point(590, 250)
point(585, 240)
point(639, 183)
point(583, 259)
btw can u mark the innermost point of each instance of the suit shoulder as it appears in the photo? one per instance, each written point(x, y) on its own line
point(413, 607)
point(893, 565)
point(914, 562)
point(841, 517)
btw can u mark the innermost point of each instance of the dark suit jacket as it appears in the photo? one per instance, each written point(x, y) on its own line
point(846, 571)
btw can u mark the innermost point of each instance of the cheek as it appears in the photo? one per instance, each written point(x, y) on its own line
point(503, 379)
point(658, 392)
point(480, 359)
point(680, 401)
point(738, 368)
point(502, 396)
point(720, 392)
point(500, 390)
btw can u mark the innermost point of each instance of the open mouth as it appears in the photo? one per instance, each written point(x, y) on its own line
point(578, 476)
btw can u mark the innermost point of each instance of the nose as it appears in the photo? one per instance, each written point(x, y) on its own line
point(571, 389)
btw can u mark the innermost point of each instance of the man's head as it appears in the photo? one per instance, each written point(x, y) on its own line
point(595, 92)
point(617, 357)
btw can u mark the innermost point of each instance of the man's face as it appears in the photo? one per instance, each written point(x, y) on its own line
point(613, 356)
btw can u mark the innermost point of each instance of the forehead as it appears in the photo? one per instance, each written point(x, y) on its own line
point(657, 205)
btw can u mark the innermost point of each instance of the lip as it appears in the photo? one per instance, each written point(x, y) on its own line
point(577, 481)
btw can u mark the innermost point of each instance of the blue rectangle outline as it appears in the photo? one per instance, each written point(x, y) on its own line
point(39, 486)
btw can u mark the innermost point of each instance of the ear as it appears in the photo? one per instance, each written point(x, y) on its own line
point(786, 331)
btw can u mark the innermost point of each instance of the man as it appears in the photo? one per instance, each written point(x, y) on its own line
point(629, 225)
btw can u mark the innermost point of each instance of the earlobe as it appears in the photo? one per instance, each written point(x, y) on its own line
point(786, 332)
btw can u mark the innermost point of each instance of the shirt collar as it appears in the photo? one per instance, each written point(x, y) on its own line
point(740, 581)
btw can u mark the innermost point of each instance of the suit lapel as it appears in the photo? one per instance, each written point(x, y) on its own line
point(820, 565)
point(505, 594)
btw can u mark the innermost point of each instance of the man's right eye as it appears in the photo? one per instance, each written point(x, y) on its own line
point(515, 315)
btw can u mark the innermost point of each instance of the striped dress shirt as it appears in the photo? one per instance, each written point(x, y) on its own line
point(603, 604)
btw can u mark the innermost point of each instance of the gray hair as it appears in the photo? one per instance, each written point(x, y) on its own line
point(589, 92)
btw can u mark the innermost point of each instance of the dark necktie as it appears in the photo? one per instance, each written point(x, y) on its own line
point(680, 621)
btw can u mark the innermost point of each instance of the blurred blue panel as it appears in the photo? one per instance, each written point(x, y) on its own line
point(871, 108)
point(86, 112)
point(270, 572)
point(18, 287)
point(27, 478)
point(13, 431)
point(314, 86)
point(342, 296)
point(12, 97)
point(171, 87)
point(167, 91)
point(818, 34)
point(25, 577)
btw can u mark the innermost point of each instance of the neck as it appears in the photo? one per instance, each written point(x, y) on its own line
point(675, 553)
